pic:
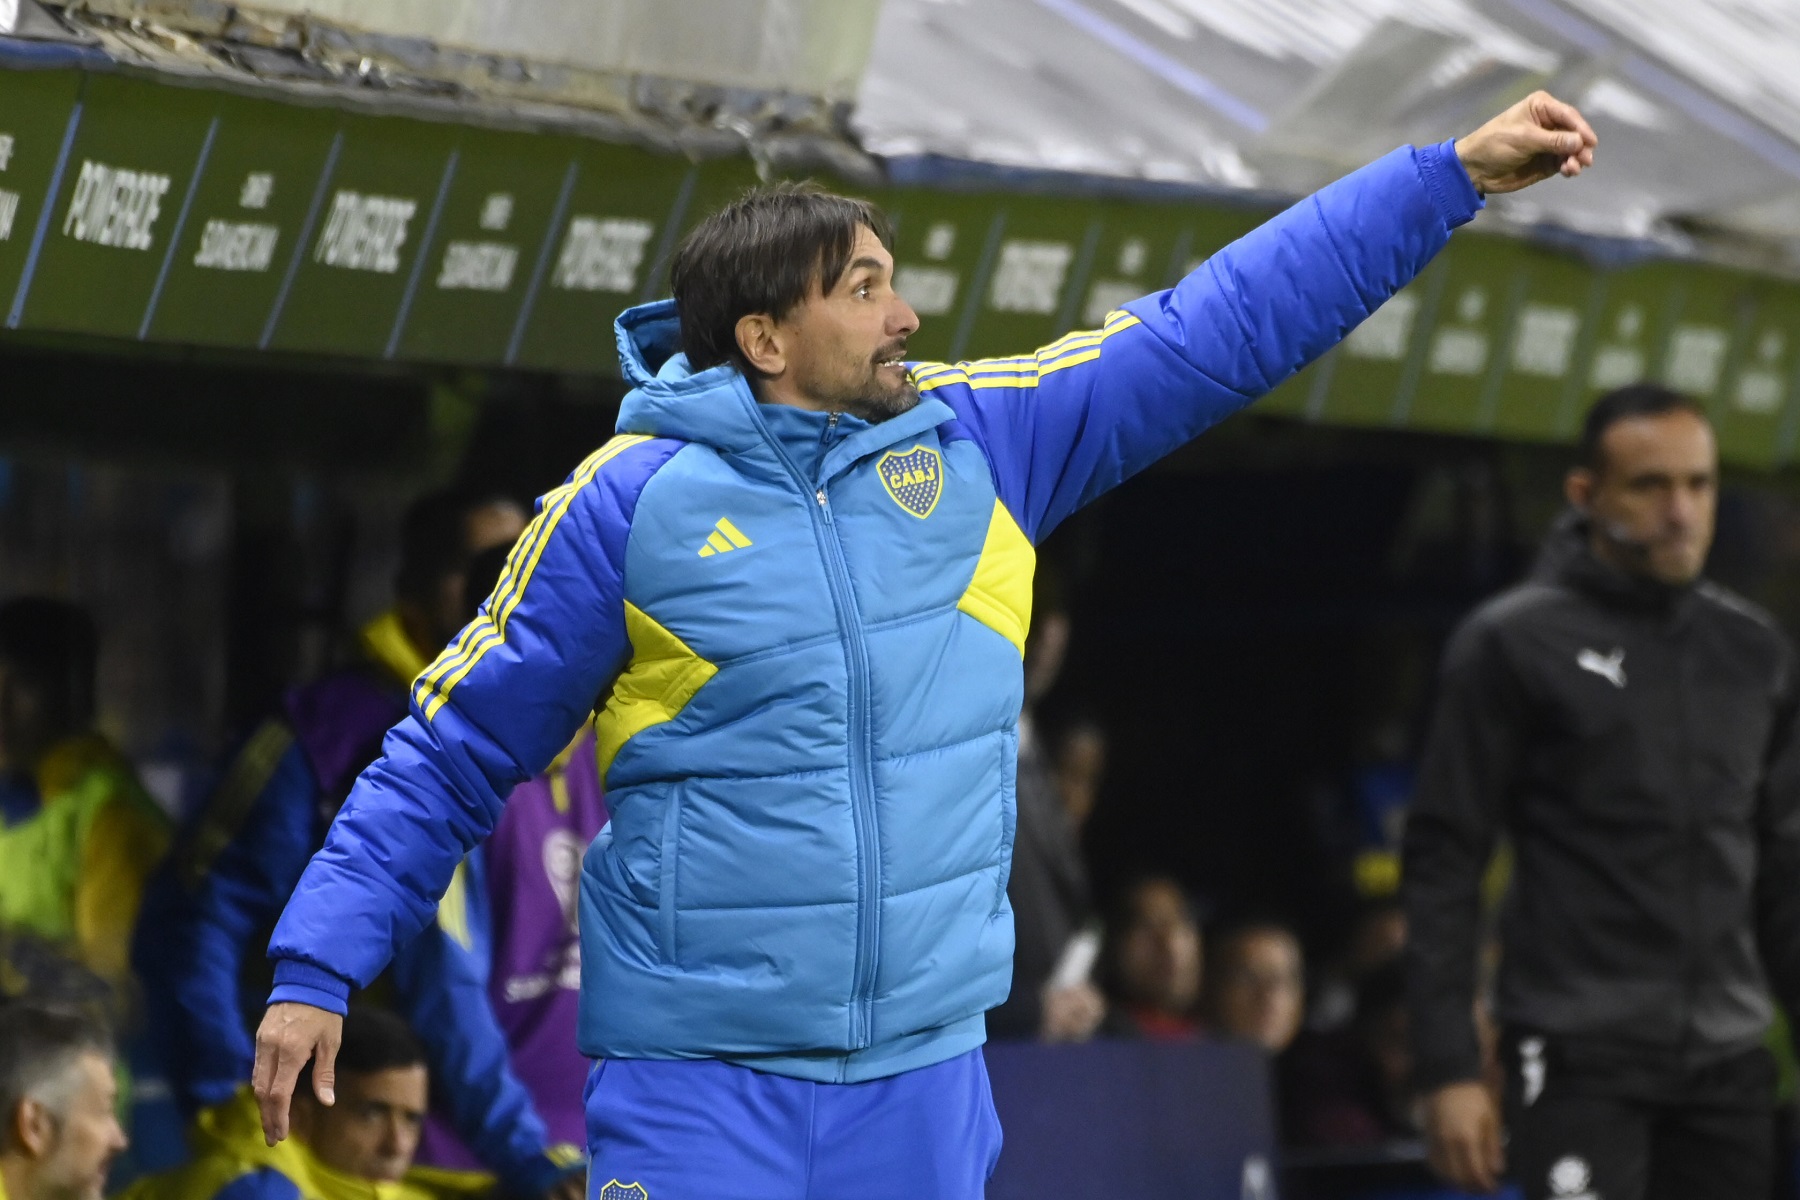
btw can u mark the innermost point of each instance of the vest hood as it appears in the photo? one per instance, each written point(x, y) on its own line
point(716, 407)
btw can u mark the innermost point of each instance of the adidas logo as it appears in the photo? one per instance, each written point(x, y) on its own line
point(724, 538)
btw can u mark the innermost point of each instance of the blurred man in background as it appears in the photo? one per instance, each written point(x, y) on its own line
point(1631, 727)
point(1152, 962)
point(78, 835)
point(59, 1128)
point(201, 945)
point(1053, 996)
point(493, 984)
point(1255, 984)
point(368, 1137)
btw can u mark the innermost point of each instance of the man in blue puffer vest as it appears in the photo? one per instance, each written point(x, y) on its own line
point(796, 586)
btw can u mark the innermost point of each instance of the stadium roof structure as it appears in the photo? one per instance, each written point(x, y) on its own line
point(489, 182)
point(1697, 102)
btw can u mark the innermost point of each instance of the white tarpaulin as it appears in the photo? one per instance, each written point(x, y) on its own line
point(1697, 102)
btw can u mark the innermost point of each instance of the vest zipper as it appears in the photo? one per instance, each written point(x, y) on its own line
point(862, 779)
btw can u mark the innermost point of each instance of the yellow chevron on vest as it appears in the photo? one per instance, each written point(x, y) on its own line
point(999, 596)
point(489, 629)
point(1069, 350)
point(663, 676)
point(228, 1144)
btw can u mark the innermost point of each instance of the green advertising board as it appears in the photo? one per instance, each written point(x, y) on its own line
point(137, 150)
point(1034, 266)
point(38, 121)
point(941, 246)
point(249, 207)
point(136, 208)
point(367, 236)
point(613, 213)
point(489, 236)
point(1551, 302)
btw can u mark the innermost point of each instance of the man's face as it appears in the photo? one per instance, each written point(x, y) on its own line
point(1258, 990)
point(844, 348)
point(25, 723)
point(373, 1130)
point(80, 1142)
point(1654, 496)
point(1159, 959)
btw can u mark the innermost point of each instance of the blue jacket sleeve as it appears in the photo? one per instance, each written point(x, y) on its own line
point(441, 983)
point(201, 916)
point(1087, 412)
point(493, 710)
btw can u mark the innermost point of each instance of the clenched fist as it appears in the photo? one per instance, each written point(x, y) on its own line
point(1536, 138)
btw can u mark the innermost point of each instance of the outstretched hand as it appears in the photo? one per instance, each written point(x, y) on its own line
point(290, 1035)
point(1536, 138)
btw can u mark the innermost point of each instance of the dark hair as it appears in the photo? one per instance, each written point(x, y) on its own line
point(1380, 992)
point(483, 573)
point(1621, 404)
point(53, 644)
point(1231, 930)
point(36, 1046)
point(434, 541)
point(374, 1040)
point(762, 253)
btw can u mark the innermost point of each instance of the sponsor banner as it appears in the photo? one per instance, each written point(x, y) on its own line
point(370, 221)
point(37, 109)
point(489, 242)
point(132, 209)
point(939, 247)
point(612, 209)
point(135, 151)
point(248, 209)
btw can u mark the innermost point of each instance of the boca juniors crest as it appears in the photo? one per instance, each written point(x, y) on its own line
point(624, 1191)
point(914, 478)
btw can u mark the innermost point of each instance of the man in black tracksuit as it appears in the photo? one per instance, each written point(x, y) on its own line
point(1631, 728)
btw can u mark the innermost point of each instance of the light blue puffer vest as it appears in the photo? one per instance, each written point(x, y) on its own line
point(812, 751)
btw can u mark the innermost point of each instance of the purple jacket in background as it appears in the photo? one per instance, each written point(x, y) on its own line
point(522, 887)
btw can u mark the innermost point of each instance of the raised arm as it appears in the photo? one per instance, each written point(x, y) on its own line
point(493, 710)
point(1087, 412)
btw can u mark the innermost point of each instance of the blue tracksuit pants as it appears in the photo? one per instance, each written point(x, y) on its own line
point(707, 1130)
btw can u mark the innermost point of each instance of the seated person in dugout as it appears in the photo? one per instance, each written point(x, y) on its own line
point(508, 1104)
point(359, 1148)
point(59, 1129)
point(78, 835)
point(1151, 963)
point(1255, 984)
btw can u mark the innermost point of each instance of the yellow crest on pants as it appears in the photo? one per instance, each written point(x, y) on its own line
point(624, 1191)
point(914, 478)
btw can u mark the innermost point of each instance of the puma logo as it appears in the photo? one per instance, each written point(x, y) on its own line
point(1610, 667)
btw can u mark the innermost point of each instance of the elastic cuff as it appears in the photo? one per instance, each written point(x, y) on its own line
point(1453, 193)
point(299, 982)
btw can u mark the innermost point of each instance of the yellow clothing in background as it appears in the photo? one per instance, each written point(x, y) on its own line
point(229, 1150)
point(72, 873)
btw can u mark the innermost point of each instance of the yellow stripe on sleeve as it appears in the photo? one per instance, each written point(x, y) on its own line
point(1072, 349)
point(489, 629)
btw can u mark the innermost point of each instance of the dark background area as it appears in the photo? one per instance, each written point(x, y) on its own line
point(1253, 619)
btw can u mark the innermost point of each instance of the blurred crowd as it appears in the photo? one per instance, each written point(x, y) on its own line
point(132, 967)
point(134, 942)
